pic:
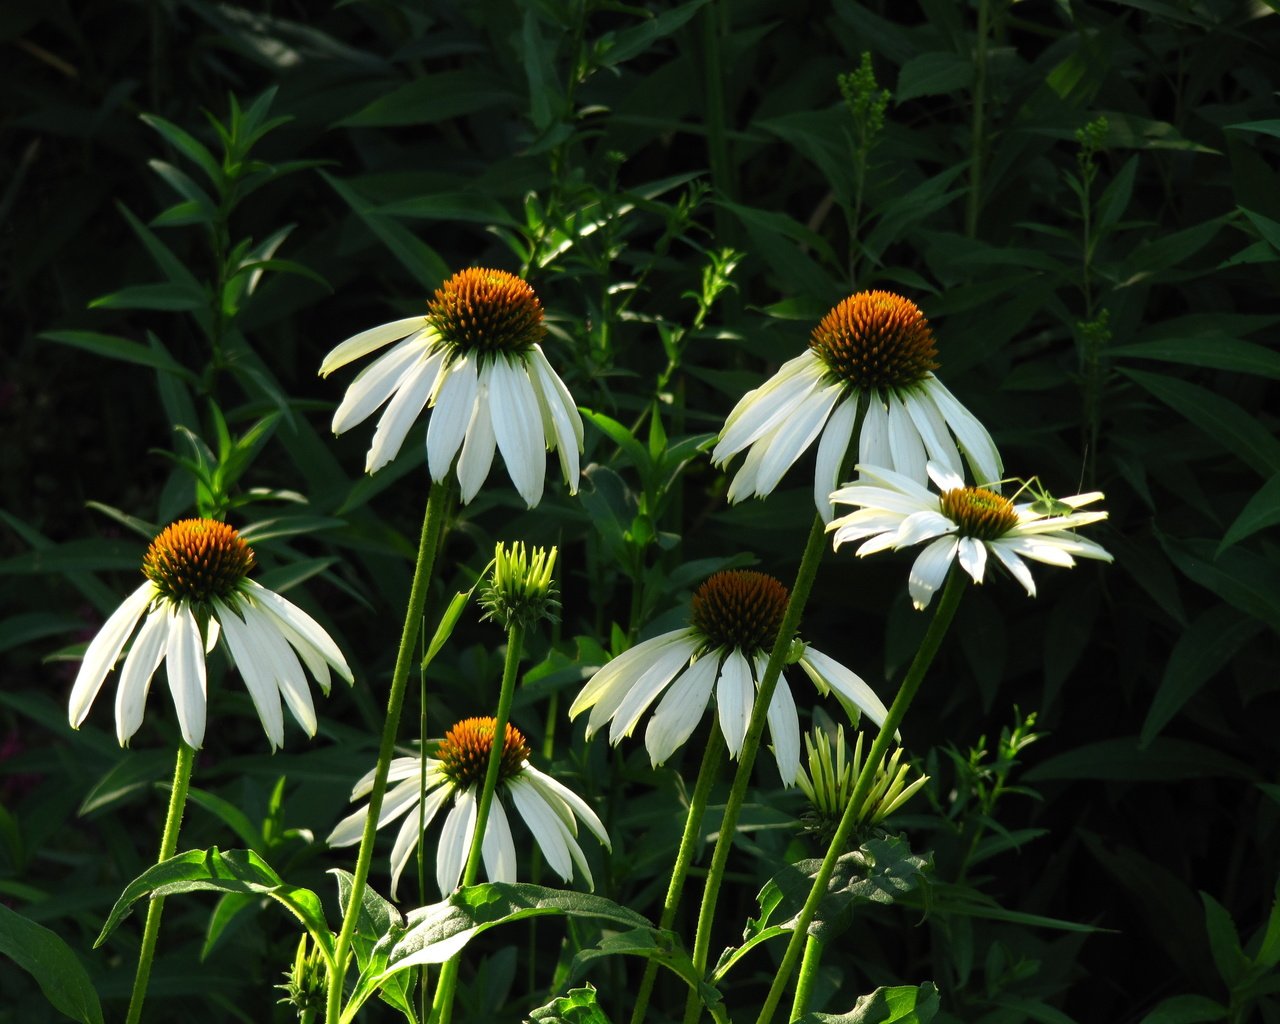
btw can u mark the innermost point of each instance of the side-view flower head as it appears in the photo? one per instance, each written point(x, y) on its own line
point(961, 523)
point(475, 360)
point(874, 347)
point(734, 623)
point(198, 590)
point(550, 809)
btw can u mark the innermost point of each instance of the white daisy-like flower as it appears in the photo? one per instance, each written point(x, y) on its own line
point(734, 623)
point(551, 810)
point(475, 360)
point(964, 524)
point(198, 590)
point(875, 347)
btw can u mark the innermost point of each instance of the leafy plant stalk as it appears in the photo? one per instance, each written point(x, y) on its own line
point(947, 606)
point(168, 846)
point(439, 503)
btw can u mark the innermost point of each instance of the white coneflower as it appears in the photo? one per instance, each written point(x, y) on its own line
point(475, 360)
point(197, 582)
point(734, 623)
point(551, 810)
point(875, 347)
point(962, 523)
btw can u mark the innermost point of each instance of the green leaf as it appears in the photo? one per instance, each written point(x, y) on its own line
point(1187, 1009)
point(423, 262)
point(614, 48)
point(1224, 942)
point(53, 964)
point(1202, 650)
point(138, 771)
point(434, 98)
point(662, 948)
point(1237, 430)
point(578, 1007)
point(1248, 583)
point(898, 1004)
point(240, 871)
point(448, 622)
point(1262, 510)
point(624, 439)
point(933, 74)
point(119, 348)
point(229, 814)
point(167, 296)
point(1217, 351)
point(1122, 758)
point(1262, 127)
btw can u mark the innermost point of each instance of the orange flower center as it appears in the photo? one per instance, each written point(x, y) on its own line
point(876, 340)
point(978, 512)
point(464, 751)
point(197, 559)
point(487, 312)
point(739, 609)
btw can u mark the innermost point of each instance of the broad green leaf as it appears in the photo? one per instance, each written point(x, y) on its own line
point(933, 74)
point(227, 910)
point(434, 98)
point(897, 1004)
point(1248, 583)
point(1261, 511)
point(119, 348)
point(1187, 1009)
point(137, 771)
point(1201, 651)
point(1237, 430)
point(240, 871)
point(378, 920)
point(229, 814)
point(53, 964)
point(662, 948)
point(1224, 942)
point(579, 1006)
point(1216, 351)
point(1162, 760)
point(623, 438)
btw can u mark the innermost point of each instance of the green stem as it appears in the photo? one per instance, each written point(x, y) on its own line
point(168, 846)
point(808, 975)
point(707, 773)
point(713, 26)
point(433, 521)
point(947, 605)
point(975, 144)
point(510, 670)
point(813, 550)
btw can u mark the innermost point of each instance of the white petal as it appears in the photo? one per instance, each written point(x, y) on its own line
point(971, 435)
point(547, 828)
point(795, 435)
point(135, 678)
point(549, 376)
point(933, 429)
point(400, 414)
point(735, 696)
point(905, 444)
point(576, 804)
point(185, 657)
point(784, 730)
point(455, 841)
point(283, 665)
point(760, 411)
point(258, 679)
point(498, 849)
point(922, 526)
point(1042, 549)
point(944, 478)
point(478, 446)
point(1016, 566)
point(368, 341)
point(103, 651)
point(832, 449)
point(972, 555)
point(743, 484)
point(873, 441)
point(303, 624)
point(917, 490)
point(558, 425)
point(929, 570)
point(645, 687)
point(450, 415)
point(375, 384)
point(517, 426)
point(410, 832)
point(681, 709)
point(623, 668)
point(211, 631)
point(825, 672)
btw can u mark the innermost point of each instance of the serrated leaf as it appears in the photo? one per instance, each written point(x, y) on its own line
point(662, 948)
point(579, 1006)
point(53, 964)
point(1224, 942)
point(897, 1004)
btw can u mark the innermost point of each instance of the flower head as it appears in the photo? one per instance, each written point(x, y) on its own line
point(198, 590)
point(476, 361)
point(734, 623)
point(876, 348)
point(520, 590)
point(964, 523)
point(551, 810)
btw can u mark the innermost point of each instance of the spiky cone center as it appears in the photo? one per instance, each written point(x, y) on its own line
point(486, 312)
point(739, 608)
point(876, 339)
point(978, 512)
point(464, 752)
point(196, 560)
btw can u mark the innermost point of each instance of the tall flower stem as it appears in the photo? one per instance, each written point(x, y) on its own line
point(449, 973)
point(438, 505)
point(947, 606)
point(808, 975)
point(707, 773)
point(168, 846)
point(974, 199)
point(813, 550)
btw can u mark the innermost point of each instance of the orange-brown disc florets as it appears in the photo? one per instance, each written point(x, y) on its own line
point(876, 340)
point(197, 559)
point(464, 751)
point(739, 609)
point(486, 312)
point(978, 512)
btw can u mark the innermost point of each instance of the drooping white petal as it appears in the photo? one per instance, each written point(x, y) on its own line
point(451, 415)
point(645, 690)
point(970, 434)
point(184, 656)
point(1042, 549)
point(933, 430)
point(401, 413)
point(455, 840)
point(795, 435)
point(558, 424)
point(546, 827)
point(904, 486)
point(826, 672)
point(368, 341)
point(375, 384)
point(665, 665)
point(577, 805)
point(624, 667)
point(873, 440)
point(972, 555)
point(103, 651)
point(904, 442)
point(929, 570)
point(497, 847)
point(284, 666)
point(1016, 566)
point(549, 376)
point(922, 526)
point(517, 426)
point(761, 411)
point(211, 632)
point(832, 449)
point(400, 768)
point(303, 624)
point(944, 478)
point(410, 834)
point(681, 709)
point(784, 730)
point(255, 670)
point(479, 444)
point(135, 678)
point(743, 484)
point(735, 695)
